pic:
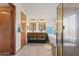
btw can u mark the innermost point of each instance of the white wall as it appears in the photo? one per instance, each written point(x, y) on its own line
point(19, 9)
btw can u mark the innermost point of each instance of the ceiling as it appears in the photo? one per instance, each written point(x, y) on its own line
point(40, 9)
point(54, 5)
point(40, 4)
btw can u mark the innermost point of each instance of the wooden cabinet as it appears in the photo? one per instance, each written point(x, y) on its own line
point(37, 37)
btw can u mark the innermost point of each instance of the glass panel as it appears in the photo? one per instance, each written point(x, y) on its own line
point(71, 30)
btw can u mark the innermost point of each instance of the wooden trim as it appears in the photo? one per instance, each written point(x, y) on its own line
point(13, 29)
point(18, 50)
point(21, 31)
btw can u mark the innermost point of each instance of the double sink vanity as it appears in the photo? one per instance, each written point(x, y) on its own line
point(37, 37)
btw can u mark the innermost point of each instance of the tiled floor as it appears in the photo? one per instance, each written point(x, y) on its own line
point(36, 49)
point(71, 50)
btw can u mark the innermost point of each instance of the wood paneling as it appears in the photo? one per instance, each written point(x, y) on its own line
point(5, 30)
point(13, 13)
point(23, 33)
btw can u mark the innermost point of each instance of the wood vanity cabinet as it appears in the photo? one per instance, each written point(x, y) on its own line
point(37, 37)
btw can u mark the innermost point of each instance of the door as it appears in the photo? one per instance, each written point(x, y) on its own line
point(71, 24)
point(23, 33)
point(5, 30)
point(59, 35)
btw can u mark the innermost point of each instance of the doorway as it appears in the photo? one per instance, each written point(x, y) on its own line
point(71, 31)
point(68, 29)
point(40, 30)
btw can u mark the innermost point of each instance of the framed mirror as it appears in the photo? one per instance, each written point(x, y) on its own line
point(32, 25)
point(42, 25)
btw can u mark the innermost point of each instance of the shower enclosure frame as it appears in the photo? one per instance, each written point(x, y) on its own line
point(59, 52)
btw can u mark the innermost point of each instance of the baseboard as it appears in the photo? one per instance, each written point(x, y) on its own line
point(19, 49)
